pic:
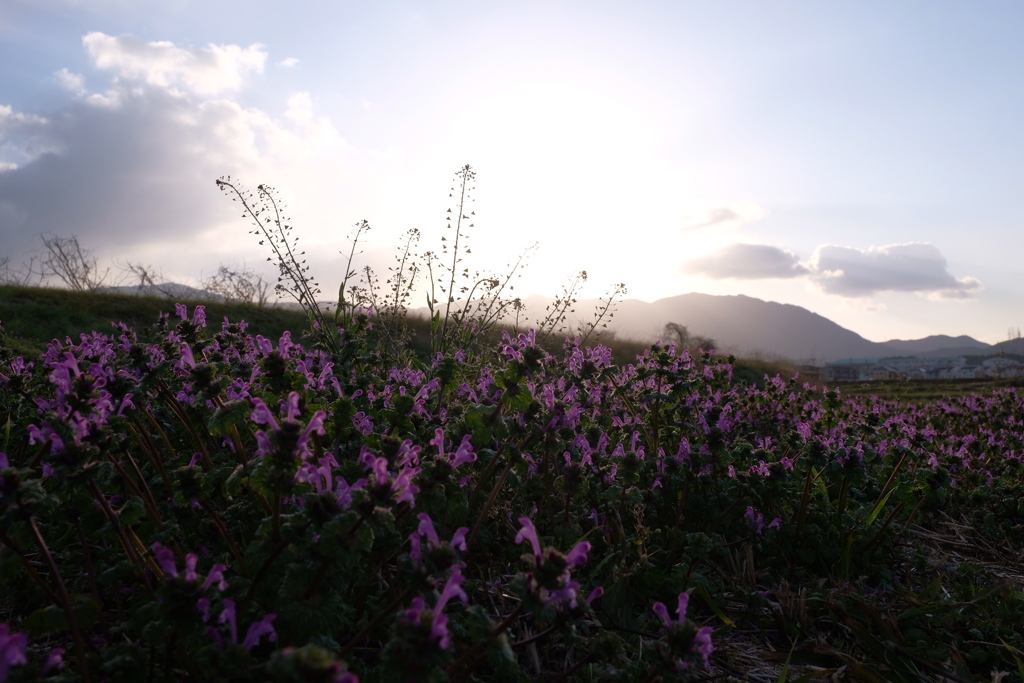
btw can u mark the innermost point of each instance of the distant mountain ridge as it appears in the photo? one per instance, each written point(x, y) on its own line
point(167, 290)
point(936, 342)
point(748, 326)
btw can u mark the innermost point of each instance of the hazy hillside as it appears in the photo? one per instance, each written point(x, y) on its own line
point(936, 342)
point(165, 290)
point(1015, 346)
point(748, 326)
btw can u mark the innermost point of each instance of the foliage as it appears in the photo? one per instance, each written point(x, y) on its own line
point(202, 503)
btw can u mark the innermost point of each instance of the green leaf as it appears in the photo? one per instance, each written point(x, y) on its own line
point(1014, 651)
point(132, 512)
point(877, 509)
point(50, 619)
point(703, 593)
point(227, 416)
point(233, 484)
point(53, 619)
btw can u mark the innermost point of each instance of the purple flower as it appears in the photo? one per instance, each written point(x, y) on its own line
point(12, 649)
point(54, 661)
point(400, 489)
point(253, 636)
point(464, 453)
point(564, 595)
point(702, 643)
point(684, 604)
point(432, 621)
point(578, 555)
point(165, 558)
point(187, 358)
point(529, 533)
point(761, 469)
point(756, 520)
point(552, 587)
point(261, 414)
point(259, 629)
point(699, 643)
point(426, 530)
point(363, 422)
point(216, 577)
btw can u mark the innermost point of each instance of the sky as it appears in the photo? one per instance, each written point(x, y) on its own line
point(862, 160)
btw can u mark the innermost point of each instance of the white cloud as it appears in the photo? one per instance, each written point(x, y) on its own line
point(748, 262)
point(727, 216)
point(300, 107)
point(72, 82)
point(10, 119)
point(130, 170)
point(913, 267)
point(843, 271)
point(289, 63)
point(21, 137)
point(210, 70)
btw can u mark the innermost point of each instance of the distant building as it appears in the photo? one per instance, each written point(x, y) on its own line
point(912, 367)
point(885, 372)
point(809, 373)
point(1001, 366)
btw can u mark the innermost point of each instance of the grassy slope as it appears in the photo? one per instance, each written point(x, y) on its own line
point(33, 316)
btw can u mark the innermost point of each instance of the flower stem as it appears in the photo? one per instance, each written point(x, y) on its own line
point(65, 601)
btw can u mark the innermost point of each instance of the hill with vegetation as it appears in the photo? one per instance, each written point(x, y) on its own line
point(32, 317)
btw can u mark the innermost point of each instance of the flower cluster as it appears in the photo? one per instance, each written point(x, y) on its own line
point(682, 642)
point(550, 583)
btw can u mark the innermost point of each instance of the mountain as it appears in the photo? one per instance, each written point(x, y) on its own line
point(937, 342)
point(1010, 346)
point(747, 326)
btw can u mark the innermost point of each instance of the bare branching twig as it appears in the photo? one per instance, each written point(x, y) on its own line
point(65, 259)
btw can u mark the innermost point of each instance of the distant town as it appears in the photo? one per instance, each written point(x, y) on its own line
point(912, 367)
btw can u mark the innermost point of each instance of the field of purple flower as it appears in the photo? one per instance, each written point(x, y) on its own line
point(186, 501)
point(191, 504)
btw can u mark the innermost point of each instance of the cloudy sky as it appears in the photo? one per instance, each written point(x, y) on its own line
point(863, 160)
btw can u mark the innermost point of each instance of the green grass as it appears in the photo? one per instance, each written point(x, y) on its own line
point(926, 390)
point(34, 316)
